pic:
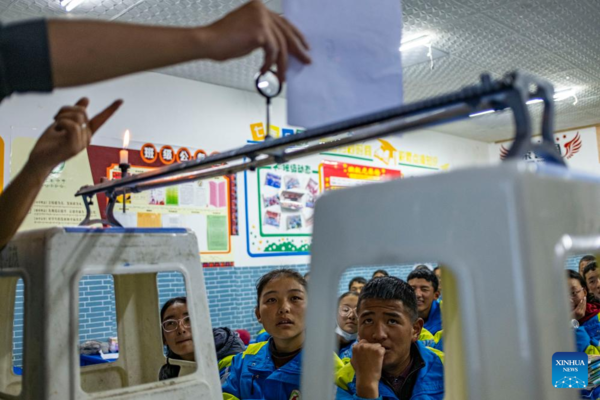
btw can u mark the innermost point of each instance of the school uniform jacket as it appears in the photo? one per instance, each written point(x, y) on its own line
point(253, 376)
point(428, 386)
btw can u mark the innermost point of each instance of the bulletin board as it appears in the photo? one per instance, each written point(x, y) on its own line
point(280, 199)
point(202, 206)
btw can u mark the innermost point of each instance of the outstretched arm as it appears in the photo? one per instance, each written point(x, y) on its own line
point(90, 51)
point(70, 133)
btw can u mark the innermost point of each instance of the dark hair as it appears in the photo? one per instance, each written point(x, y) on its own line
point(342, 297)
point(168, 370)
point(276, 274)
point(380, 271)
point(169, 303)
point(391, 288)
point(592, 266)
point(422, 267)
point(587, 258)
point(425, 274)
point(358, 279)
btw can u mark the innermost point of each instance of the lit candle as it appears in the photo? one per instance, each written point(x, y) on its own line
point(124, 154)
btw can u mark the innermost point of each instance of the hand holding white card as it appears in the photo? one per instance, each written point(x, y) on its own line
point(356, 65)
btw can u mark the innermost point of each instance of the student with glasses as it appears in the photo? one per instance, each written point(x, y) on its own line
point(177, 336)
point(346, 324)
point(586, 311)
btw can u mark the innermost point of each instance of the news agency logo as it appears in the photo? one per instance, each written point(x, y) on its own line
point(569, 370)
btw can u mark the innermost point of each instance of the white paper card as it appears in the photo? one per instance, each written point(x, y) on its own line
point(356, 68)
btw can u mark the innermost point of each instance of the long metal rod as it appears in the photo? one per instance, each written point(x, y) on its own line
point(418, 115)
point(361, 135)
point(510, 92)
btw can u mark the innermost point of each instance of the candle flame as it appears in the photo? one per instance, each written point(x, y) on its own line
point(126, 139)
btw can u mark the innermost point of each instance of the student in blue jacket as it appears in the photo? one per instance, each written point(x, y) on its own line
point(586, 311)
point(271, 370)
point(426, 287)
point(346, 325)
point(389, 363)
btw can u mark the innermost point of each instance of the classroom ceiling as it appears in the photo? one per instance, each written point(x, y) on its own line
point(555, 39)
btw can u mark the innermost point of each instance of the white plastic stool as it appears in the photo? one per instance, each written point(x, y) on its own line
point(51, 263)
point(495, 230)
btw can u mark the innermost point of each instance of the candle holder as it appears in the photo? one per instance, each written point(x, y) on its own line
point(124, 168)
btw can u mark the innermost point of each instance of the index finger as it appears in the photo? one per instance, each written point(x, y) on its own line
point(83, 102)
point(103, 116)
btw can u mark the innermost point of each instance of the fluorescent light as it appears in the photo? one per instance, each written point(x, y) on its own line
point(420, 40)
point(564, 94)
point(263, 84)
point(70, 5)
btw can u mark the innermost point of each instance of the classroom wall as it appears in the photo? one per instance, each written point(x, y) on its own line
point(163, 109)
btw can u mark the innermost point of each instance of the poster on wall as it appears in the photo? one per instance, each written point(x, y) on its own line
point(55, 205)
point(578, 148)
point(202, 206)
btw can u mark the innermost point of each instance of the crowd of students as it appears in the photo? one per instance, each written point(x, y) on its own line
point(389, 336)
point(384, 351)
point(584, 297)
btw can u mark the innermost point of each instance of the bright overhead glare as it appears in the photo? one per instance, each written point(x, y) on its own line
point(564, 94)
point(416, 41)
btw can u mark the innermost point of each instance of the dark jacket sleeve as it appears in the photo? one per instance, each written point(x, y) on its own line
point(24, 58)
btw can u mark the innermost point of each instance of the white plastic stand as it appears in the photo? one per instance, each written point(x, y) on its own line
point(51, 263)
point(495, 230)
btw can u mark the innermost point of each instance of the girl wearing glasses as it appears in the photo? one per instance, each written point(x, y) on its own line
point(177, 336)
point(347, 328)
point(586, 311)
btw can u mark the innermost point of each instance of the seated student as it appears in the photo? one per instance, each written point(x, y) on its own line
point(585, 260)
point(389, 363)
point(585, 309)
point(425, 285)
point(177, 336)
point(271, 370)
point(379, 273)
point(347, 327)
point(356, 284)
point(591, 275)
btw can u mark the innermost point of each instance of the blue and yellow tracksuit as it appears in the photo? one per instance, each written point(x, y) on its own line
point(262, 336)
point(430, 340)
point(434, 320)
point(429, 384)
point(587, 336)
point(253, 376)
point(345, 353)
